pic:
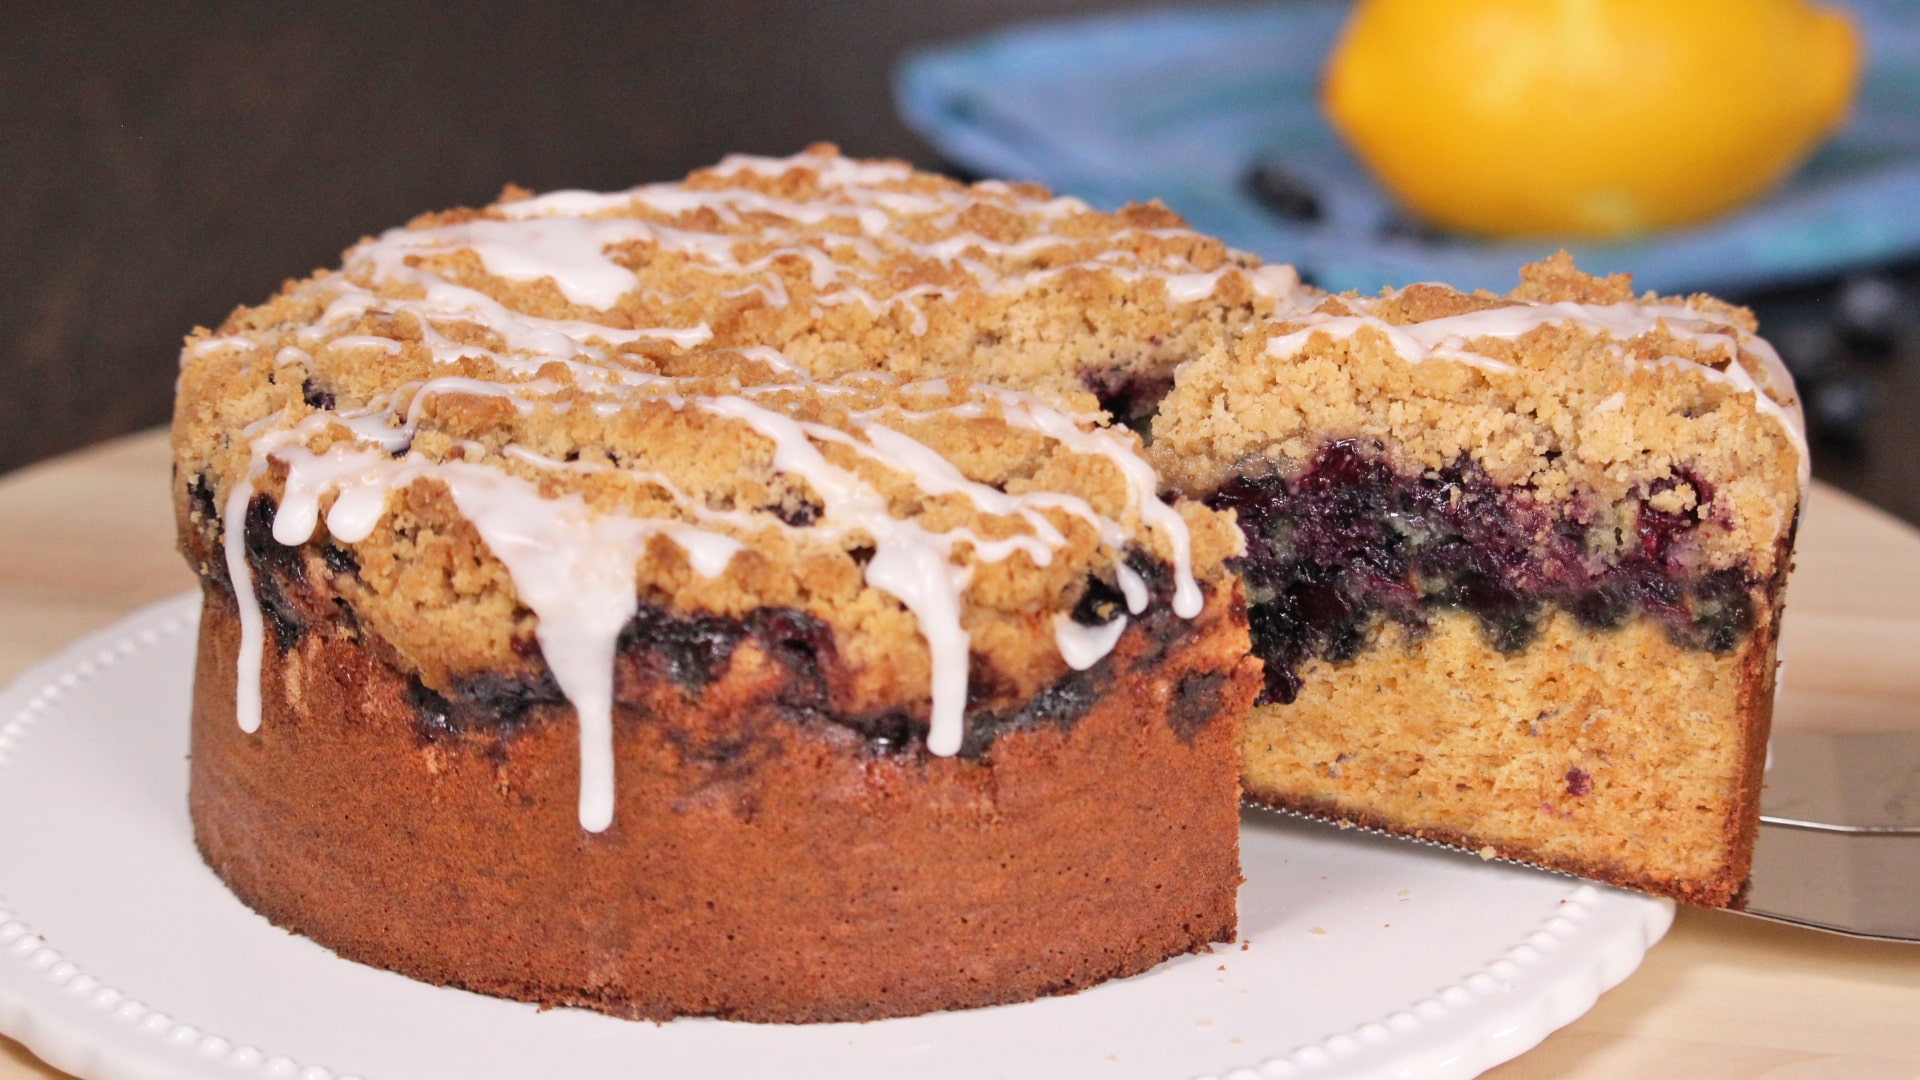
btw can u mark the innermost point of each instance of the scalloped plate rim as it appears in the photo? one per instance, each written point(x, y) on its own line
point(63, 1019)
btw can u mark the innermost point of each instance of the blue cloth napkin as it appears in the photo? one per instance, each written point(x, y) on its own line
point(1183, 106)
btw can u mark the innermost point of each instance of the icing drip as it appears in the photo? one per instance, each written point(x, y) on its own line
point(1084, 646)
point(246, 696)
point(909, 562)
point(251, 651)
point(575, 569)
point(575, 566)
point(930, 588)
point(1133, 587)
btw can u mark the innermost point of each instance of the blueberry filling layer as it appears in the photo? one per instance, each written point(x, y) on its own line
point(1130, 397)
point(689, 652)
point(1349, 543)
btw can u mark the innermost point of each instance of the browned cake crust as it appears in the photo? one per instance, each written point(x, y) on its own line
point(766, 862)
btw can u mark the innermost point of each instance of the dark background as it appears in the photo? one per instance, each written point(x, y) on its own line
point(160, 166)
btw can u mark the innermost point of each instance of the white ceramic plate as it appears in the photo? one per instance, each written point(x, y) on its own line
point(121, 956)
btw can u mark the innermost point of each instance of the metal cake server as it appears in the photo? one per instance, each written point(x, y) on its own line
point(1839, 844)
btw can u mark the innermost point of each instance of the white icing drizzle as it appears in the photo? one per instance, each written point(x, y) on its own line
point(575, 566)
point(263, 441)
point(246, 695)
point(1275, 282)
point(1415, 342)
point(568, 251)
point(909, 562)
point(572, 566)
point(364, 341)
point(1084, 646)
point(1447, 338)
point(210, 346)
point(835, 281)
point(1024, 410)
point(356, 474)
point(1133, 587)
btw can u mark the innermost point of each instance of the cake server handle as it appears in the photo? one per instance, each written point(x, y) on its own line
point(1839, 844)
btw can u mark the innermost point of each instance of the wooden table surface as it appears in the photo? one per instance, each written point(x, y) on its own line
point(88, 538)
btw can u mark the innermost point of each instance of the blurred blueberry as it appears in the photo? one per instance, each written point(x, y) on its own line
point(1811, 348)
point(1283, 192)
point(1872, 313)
point(1839, 408)
point(1399, 227)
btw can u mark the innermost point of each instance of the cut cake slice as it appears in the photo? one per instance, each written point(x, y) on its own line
point(1515, 566)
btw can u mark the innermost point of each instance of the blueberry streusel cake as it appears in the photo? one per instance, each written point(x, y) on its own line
point(1515, 566)
point(756, 596)
point(646, 602)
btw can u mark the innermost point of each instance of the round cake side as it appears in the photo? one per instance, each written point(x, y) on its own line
point(767, 862)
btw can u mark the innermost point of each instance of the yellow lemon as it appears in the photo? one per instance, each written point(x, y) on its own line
point(1586, 117)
